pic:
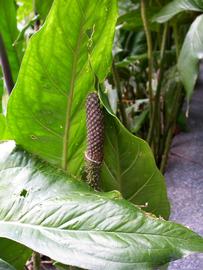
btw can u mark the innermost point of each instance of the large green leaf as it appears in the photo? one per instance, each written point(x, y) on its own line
point(5, 266)
point(177, 6)
point(9, 33)
point(129, 167)
point(38, 105)
point(190, 55)
point(63, 219)
point(46, 111)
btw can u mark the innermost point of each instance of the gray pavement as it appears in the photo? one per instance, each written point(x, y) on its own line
point(184, 176)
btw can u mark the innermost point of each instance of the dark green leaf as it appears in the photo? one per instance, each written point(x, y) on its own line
point(14, 253)
point(138, 121)
point(132, 20)
point(43, 7)
point(125, 169)
point(46, 111)
point(65, 220)
point(177, 6)
point(191, 53)
point(129, 167)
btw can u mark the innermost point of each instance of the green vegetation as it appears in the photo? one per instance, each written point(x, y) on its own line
point(53, 55)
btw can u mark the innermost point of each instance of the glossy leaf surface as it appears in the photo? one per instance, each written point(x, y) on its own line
point(38, 111)
point(63, 219)
point(191, 54)
point(46, 111)
point(177, 6)
point(129, 167)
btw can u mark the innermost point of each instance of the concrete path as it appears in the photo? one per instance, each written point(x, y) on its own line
point(184, 177)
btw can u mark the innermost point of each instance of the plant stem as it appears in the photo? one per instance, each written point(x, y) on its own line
point(119, 91)
point(36, 260)
point(154, 119)
point(149, 53)
point(176, 39)
point(166, 150)
point(175, 110)
point(6, 66)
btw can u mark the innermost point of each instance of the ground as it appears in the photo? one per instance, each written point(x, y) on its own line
point(184, 177)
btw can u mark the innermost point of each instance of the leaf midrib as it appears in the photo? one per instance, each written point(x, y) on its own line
point(89, 231)
point(70, 101)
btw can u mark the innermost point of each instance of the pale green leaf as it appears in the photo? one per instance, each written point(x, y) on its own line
point(46, 111)
point(190, 55)
point(63, 219)
point(177, 6)
point(25, 10)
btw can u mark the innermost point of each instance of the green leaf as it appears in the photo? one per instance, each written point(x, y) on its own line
point(46, 111)
point(2, 126)
point(124, 167)
point(191, 53)
point(9, 33)
point(177, 6)
point(1, 89)
point(14, 253)
point(63, 219)
point(25, 10)
point(5, 266)
point(4, 132)
point(139, 121)
point(43, 7)
point(132, 20)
